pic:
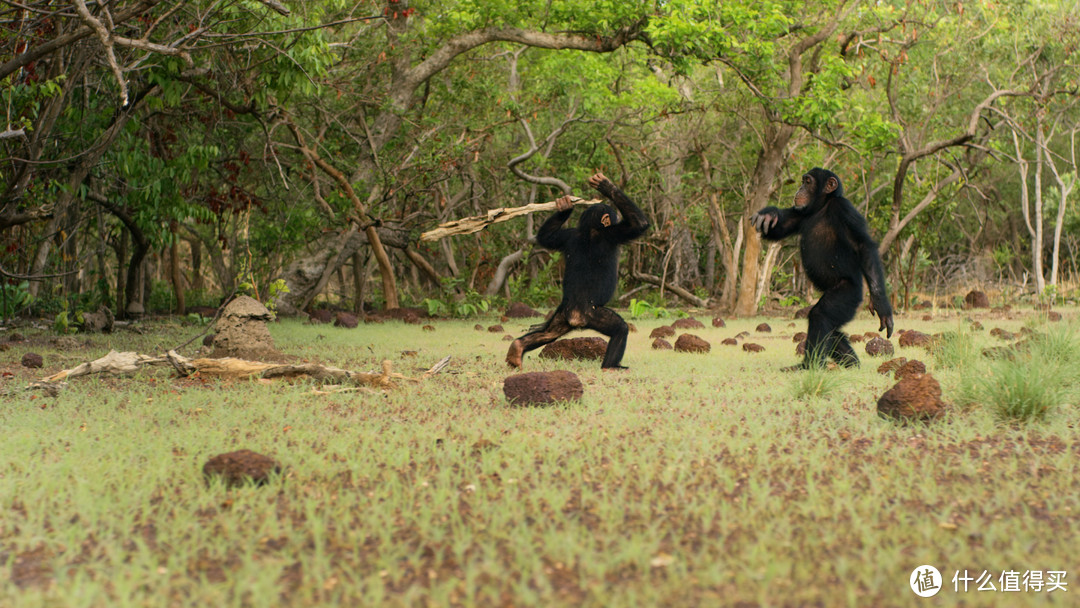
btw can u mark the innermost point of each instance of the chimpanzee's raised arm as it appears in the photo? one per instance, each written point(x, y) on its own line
point(632, 222)
point(551, 234)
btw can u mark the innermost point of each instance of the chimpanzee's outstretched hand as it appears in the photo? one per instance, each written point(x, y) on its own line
point(764, 220)
point(565, 202)
point(597, 179)
point(886, 323)
point(886, 320)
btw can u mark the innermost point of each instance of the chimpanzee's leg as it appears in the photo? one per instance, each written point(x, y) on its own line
point(555, 327)
point(836, 307)
point(843, 353)
point(609, 323)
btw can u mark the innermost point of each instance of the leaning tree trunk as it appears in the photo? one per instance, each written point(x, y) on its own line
point(770, 159)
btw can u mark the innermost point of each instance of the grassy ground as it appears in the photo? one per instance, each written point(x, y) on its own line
point(689, 480)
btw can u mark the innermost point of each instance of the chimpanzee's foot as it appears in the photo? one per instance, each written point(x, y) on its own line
point(614, 368)
point(847, 361)
point(513, 356)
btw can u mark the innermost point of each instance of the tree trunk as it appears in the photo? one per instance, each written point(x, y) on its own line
point(1065, 187)
point(75, 179)
point(502, 271)
point(121, 255)
point(197, 281)
point(303, 275)
point(175, 275)
point(358, 282)
point(1037, 243)
point(769, 163)
point(766, 270)
point(331, 266)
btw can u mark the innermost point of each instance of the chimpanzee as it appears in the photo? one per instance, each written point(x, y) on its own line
point(592, 258)
point(837, 252)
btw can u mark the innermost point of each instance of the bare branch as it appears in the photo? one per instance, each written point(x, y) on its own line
point(106, 41)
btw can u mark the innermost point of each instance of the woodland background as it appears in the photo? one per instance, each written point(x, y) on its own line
point(158, 155)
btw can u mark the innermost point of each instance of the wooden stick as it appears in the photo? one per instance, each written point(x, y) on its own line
point(469, 225)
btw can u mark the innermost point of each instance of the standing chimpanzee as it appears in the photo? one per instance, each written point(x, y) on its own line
point(592, 258)
point(837, 252)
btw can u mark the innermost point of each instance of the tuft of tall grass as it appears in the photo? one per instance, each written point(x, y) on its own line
point(1037, 379)
point(956, 350)
point(1060, 346)
point(815, 382)
point(1024, 388)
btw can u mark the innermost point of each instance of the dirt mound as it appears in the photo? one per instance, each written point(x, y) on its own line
point(661, 344)
point(662, 332)
point(689, 343)
point(891, 365)
point(403, 314)
point(750, 347)
point(97, 322)
point(879, 347)
point(910, 337)
point(543, 388)
point(1002, 334)
point(575, 348)
point(976, 299)
point(321, 315)
point(763, 328)
point(241, 467)
point(718, 322)
point(241, 332)
point(909, 369)
point(346, 319)
point(688, 323)
point(517, 310)
point(916, 397)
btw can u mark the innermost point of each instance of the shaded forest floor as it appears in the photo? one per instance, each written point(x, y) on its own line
point(690, 479)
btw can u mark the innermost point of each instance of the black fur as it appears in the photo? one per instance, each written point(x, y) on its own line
point(591, 254)
point(837, 253)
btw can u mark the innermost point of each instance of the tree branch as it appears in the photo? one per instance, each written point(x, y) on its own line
point(457, 45)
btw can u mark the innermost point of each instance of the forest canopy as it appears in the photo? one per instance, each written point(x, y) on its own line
point(160, 155)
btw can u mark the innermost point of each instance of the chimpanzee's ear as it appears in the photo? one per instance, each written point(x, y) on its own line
point(831, 185)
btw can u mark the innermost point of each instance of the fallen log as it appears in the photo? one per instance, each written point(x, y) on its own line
point(121, 363)
point(469, 225)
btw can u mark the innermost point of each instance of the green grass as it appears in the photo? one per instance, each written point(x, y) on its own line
point(689, 480)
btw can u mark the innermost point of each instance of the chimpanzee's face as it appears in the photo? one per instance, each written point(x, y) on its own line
point(597, 217)
point(806, 192)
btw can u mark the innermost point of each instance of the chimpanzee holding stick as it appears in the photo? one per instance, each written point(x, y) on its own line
point(592, 260)
point(837, 253)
